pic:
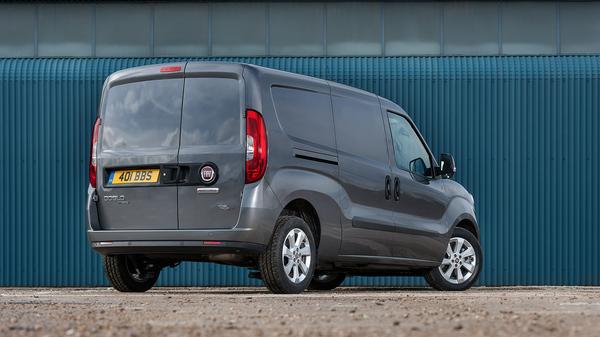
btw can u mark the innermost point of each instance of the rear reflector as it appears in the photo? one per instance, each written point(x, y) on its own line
point(213, 243)
point(170, 69)
point(256, 146)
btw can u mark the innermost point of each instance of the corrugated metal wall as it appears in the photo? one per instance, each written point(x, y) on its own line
point(524, 131)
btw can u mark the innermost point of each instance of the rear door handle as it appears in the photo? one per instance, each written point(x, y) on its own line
point(169, 174)
point(388, 187)
point(207, 190)
point(396, 189)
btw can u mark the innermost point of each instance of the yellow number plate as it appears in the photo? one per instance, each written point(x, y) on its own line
point(122, 177)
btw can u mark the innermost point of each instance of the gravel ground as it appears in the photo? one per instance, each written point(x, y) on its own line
point(545, 311)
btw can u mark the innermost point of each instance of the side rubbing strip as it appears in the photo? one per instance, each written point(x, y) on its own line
point(320, 160)
point(370, 224)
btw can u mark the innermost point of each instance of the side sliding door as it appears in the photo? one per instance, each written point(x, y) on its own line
point(368, 221)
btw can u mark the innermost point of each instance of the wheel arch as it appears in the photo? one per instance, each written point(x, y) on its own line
point(460, 213)
point(302, 208)
point(469, 223)
point(316, 195)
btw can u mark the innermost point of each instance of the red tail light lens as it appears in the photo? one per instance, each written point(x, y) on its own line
point(93, 152)
point(256, 146)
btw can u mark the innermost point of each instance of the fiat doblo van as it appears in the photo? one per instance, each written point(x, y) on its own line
point(301, 180)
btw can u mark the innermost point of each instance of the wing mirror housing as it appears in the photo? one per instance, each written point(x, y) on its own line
point(447, 166)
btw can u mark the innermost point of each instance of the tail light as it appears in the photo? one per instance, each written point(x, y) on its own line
point(93, 152)
point(256, 146)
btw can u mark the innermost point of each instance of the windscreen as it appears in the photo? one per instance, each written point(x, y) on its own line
point(143, 115)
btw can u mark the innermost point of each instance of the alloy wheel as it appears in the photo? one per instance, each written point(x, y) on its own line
point(459, 262)
point(296, 255)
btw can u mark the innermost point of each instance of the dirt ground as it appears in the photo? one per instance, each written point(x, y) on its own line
point(545, 311)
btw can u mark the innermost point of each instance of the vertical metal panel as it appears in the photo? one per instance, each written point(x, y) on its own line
point(524, 131)
point(379, 28)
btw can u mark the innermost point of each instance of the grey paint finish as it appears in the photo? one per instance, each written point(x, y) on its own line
point(136, 132)
point(342, 175)
point(211, 133)
point(421, 202)
point(290, 176)
point(368, 217)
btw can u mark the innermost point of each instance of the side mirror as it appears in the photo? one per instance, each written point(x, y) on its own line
point(447, 166)
point(418, 166)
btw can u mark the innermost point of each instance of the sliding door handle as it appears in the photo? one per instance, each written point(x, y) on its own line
point(388, 187)
point(396, 189)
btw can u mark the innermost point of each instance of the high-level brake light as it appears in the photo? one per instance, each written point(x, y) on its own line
point(170, 69)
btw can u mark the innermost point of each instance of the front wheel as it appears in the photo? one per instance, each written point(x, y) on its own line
point(128, 273)
point(461, 265)
point(288, 264)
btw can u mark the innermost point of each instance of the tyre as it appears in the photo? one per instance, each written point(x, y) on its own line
point(130, 274)
point(461, 265)
point(326, 281)
point(287, 265)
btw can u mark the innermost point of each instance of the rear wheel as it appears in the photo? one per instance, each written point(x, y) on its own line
point(327, 281)
point(128, 273)
point(287, 266)
point(461, 265)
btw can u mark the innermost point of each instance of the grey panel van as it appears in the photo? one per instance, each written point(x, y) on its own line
point(303, 181)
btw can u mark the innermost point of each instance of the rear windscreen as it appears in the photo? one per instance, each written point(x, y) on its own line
point(211, 112)
point(143, 115)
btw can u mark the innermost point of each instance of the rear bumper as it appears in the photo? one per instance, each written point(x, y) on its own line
point(193, 241)
point(189, 248)
point(259, 211)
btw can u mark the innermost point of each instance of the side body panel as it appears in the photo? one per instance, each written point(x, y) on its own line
point(426, 212)
point(420, 216)
point(368, 217)
point(302, 161)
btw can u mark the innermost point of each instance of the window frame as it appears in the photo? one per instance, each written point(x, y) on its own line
point(432, 160)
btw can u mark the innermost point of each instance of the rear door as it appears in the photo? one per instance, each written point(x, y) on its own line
point(212, 153)
point(137, 158)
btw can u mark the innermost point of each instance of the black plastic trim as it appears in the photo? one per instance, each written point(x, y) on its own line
point(320, 160)
point(369, 224)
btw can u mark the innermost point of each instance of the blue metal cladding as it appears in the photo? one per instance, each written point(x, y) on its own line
point(524, 131)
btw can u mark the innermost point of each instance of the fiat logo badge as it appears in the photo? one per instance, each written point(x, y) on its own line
point(208, 174)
